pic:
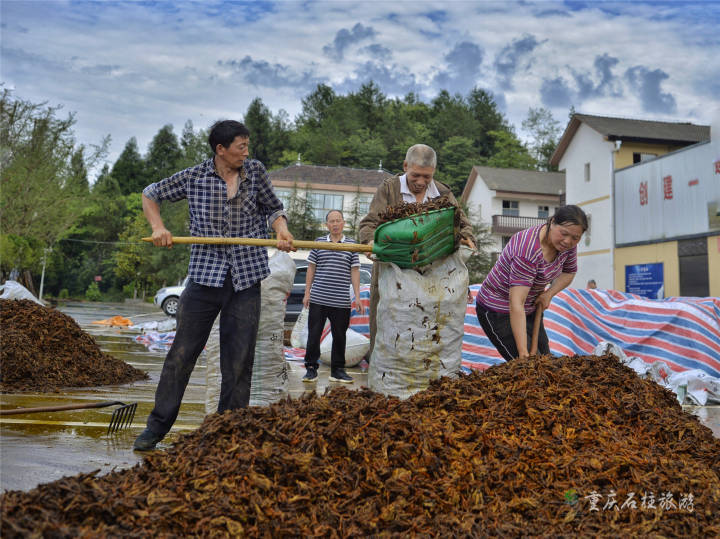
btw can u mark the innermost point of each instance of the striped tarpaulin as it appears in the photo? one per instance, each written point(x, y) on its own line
point(682, 332)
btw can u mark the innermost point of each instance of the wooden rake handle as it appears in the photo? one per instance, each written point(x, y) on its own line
point(536, 329)
point(84, 406)
point(299, 244)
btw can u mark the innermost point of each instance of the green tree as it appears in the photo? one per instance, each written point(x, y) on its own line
point(486, 118)
point(363, 150)
point(301, 219)
point(258, 120)
point(281, 140)
point(315, 106)
point(129, 169)
point(544, 133)
point(353, 220)
point(195, 146)
point(106, 185)
point(450, 117)
point(77, 180)
point(509, 152)
point(164, 156)
point(455, 161)
point(480, 263)
point(40, 199)
point(370, 103)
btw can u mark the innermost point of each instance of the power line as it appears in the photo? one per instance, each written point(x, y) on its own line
point(106, 242)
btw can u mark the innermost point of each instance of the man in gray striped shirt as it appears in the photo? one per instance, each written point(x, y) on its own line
point(327, 296)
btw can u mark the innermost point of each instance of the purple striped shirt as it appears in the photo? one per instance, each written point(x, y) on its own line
point(521, 263)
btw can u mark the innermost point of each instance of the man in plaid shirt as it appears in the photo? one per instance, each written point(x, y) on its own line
point(228, 196)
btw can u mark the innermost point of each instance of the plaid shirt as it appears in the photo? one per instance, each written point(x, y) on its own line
point(248, 214)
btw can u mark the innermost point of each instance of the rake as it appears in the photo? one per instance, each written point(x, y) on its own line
point(121, 418)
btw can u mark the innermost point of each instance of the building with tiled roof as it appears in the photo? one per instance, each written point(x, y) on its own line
point(330, 188)
point(590, 150)
point(510, 200)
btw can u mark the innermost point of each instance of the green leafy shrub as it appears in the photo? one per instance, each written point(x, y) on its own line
point(93, 292)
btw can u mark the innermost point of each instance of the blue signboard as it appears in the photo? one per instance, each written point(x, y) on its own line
point(645, 280)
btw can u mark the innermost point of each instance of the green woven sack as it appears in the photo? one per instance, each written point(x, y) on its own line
point(416, 240)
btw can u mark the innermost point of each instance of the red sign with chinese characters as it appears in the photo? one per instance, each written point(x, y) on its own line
point(667, 188)
point(643, 193)
point(717, 167)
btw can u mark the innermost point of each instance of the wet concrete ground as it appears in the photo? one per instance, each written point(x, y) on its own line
point(42, 447)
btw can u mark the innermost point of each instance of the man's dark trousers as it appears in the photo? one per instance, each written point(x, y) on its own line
point(339, 322)
point(197, 310)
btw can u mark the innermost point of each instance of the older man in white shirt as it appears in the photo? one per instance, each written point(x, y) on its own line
point(415, 185)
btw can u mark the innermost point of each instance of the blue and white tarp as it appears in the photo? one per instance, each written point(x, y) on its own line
point(682, 332)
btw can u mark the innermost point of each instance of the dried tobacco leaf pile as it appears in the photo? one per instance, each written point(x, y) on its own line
point(42, 349)
point(486, 454)
point(407, 209)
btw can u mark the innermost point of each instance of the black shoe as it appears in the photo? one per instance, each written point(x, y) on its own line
point(310, 375)
point(341, 376)
point(147, 440)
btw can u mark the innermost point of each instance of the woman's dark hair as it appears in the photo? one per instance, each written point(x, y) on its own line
point(569, 215)
point(225, 131)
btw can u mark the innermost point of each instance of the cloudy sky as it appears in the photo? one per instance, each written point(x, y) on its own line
point(128, 68)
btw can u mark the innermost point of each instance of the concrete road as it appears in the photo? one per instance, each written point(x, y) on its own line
point(39, 448)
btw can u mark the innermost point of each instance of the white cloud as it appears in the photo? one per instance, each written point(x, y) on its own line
point(129, 68)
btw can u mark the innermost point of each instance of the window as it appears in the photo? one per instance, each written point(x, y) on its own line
point(284, 196)
point(505, 241)
point(543, 212)
point(587, 172)
point(640, 157)
point(511, 208)
point(363, 204)
point(322, 203)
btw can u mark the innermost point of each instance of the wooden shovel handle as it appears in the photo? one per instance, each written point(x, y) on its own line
point(536, 329)
point(299, 244)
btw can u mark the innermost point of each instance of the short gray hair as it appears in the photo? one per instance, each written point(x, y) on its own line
point(421, 155)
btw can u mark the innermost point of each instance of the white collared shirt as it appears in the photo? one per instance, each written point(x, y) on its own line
point(409, 197)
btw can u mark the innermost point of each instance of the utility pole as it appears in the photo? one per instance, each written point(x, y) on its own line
point(46, 251)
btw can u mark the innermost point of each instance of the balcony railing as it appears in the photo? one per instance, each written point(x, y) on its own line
point(507, 225)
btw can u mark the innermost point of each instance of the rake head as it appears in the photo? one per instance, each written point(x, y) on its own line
point(122, 417)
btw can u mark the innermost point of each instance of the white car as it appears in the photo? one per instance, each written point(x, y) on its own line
point(167, 298)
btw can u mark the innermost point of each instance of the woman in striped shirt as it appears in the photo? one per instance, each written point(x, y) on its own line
point(533, 258)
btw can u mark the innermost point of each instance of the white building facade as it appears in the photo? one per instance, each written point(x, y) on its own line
point(590, 150)
point(510, 200)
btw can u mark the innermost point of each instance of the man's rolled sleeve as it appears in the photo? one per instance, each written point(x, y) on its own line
point(171, 189)
point(274, 216)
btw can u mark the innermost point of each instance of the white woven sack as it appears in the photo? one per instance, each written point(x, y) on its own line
point(356, 346)
point(420, 325)
point(14, 290)
point(269, 377)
